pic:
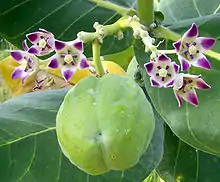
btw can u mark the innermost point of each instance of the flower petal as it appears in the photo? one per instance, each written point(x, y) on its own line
point(185, 64)
point(163, 58)
point(34, 37)
point(59, 45)
point(176, 67)
point(192, 32)
point(83, 63)
point(177, 45)
point(35, 50)
point(18, 73)
point(201, 84)
point(54, 63)
point(206, 43)
point(50, 42)
point(202, 62)
point(18, 55)
point(24, 45)
point(44, 31)
point(178, 82)
point(68, 72)
point(149, 67)
point(191, 97)
point(154, 83)
point(78, 45)
point(178, 98)
point(170, 84)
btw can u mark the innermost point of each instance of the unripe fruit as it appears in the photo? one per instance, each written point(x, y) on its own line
point(105, 124)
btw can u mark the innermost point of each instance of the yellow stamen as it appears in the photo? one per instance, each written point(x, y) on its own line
point(162, 72)
point(68, 59)
point(42, 43)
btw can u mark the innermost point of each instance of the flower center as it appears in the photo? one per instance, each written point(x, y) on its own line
point(192, 49)
point(68, 58)
point(162, 72)
point(42, 43)
point(24, 64)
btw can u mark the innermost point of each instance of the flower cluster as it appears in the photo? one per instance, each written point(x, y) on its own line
point(165, 73)
point(68, 55)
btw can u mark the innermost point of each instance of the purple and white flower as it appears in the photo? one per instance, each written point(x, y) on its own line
point(43, 42)
point(190, 49)
point(184, 88)
point(28, 64)
point(162, 72)
point(69, 57)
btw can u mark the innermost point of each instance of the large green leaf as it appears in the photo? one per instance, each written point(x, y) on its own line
point(29, 149)
point(64, 18)
point(183, 163)
point(179, 10)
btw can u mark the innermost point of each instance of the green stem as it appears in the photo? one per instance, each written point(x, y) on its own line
point(146, 11)
point(111, 6)
point(96, 57)
point(167, 51)
point(166, 33)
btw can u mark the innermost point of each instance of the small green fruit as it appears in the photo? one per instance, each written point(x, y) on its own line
point(105, 124)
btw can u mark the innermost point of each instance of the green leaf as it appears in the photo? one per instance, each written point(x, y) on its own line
point(183, 163)
point(64, 18)
point(122, 58)
point(197, 126)
point(190, 9)
point(153, 177)
point(29, 149)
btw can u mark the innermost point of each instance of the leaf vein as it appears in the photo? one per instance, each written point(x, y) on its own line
point(31, 161)
point(59, 166)
point(41, 20)
point(80, 17)
point(14, 7)
point(216, 9)
point(196, 7)
point(27, 136)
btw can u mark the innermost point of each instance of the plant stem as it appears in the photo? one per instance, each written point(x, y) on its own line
point(111, 6)
point(146, 11)
point(166, 33)
point(96, 57)
point(167, 51)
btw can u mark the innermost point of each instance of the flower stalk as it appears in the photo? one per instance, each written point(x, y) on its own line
point(114, 7)
point(96, 57)
point(145, 10)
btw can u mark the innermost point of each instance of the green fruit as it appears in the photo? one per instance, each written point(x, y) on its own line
point(105, 124)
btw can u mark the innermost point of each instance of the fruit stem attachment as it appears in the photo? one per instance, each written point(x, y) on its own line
point(114, 7)
point(145, 10)
point(96, 57)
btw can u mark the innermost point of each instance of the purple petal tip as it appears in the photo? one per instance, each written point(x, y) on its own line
point(53, 64)
point(204, 63)
point(163, 57)
point(193, 31)
point(176, 45)
point(149, 67)
point(67, 75)
point(78, 45)
point(59, 45)
point(17, 55)
point(84, 64)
